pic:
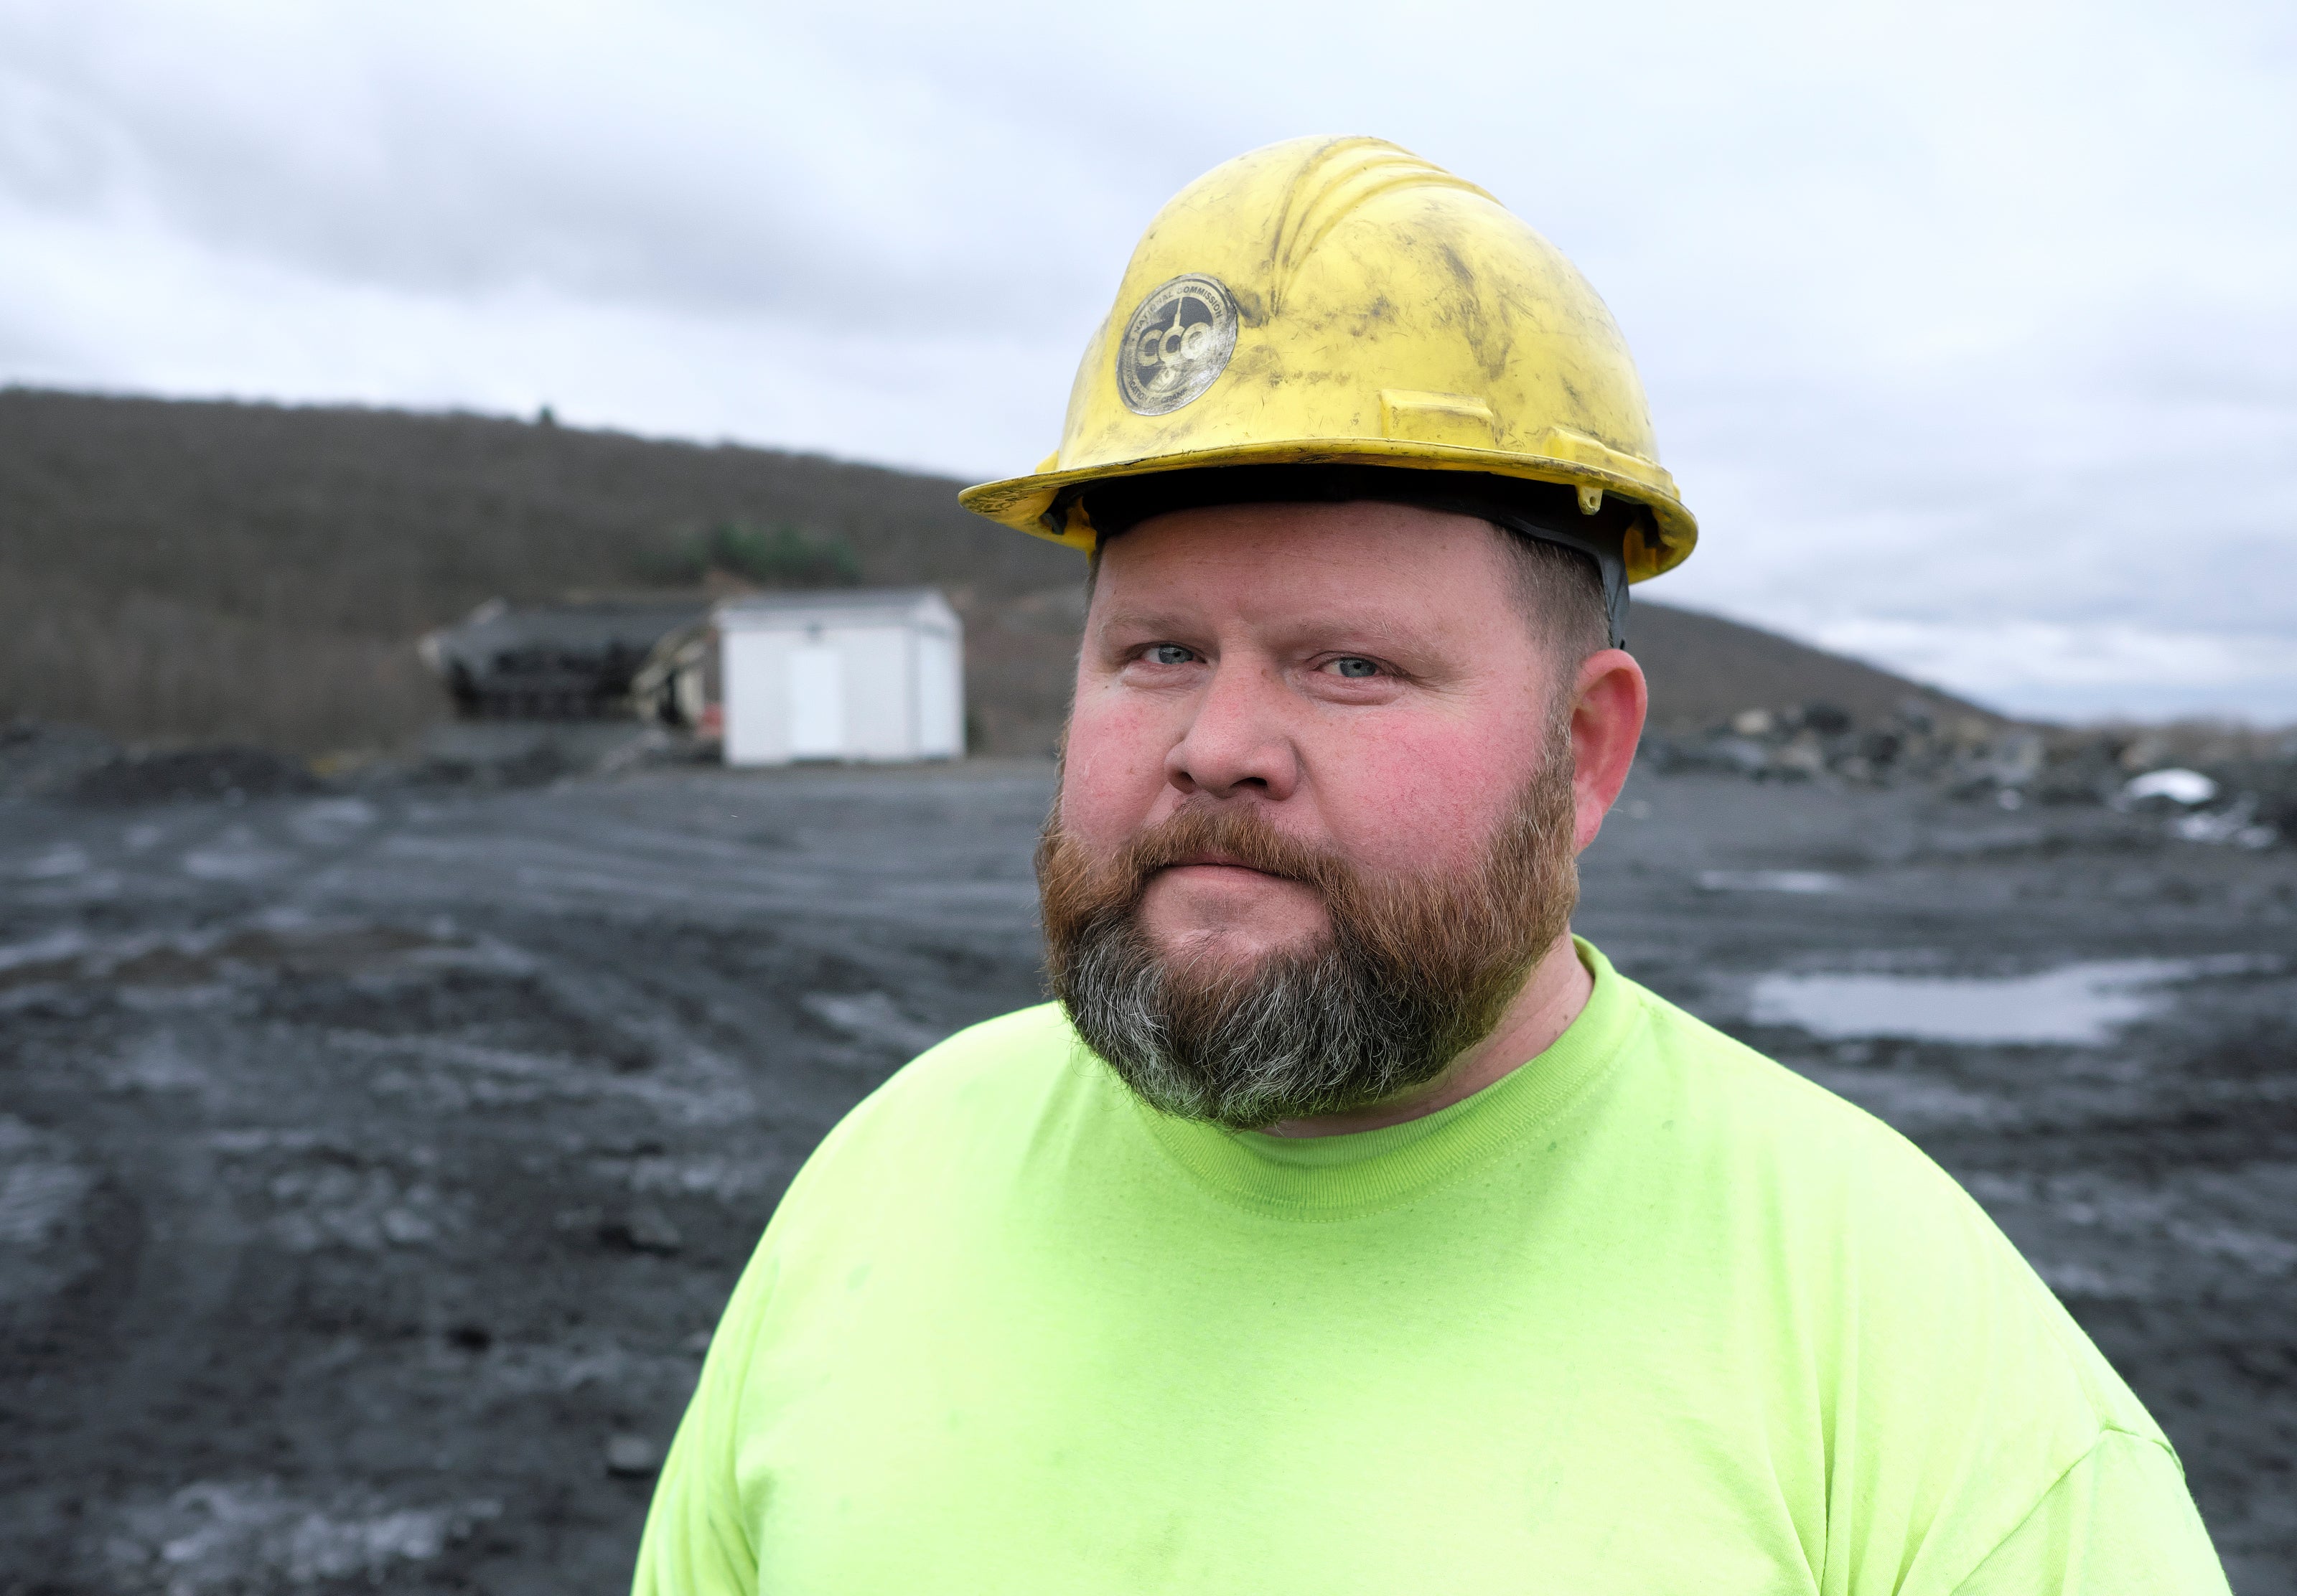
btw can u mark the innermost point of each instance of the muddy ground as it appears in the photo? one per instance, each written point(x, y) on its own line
point(372, 1167)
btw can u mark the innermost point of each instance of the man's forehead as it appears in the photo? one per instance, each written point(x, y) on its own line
point(1372, 567)
point(1300, 543)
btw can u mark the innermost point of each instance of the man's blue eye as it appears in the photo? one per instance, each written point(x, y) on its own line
point(1170, 654)
point(1351, 666)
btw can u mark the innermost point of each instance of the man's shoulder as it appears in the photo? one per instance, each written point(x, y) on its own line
point(1821, 1172)
point(1754, 1105)
point(1769, 1128)
point(1860, 1212)
point(1013, 1051)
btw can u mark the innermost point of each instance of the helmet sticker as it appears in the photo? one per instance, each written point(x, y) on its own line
point(1177, 343)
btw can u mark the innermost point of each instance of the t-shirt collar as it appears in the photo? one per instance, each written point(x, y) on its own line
point(1336, 1177)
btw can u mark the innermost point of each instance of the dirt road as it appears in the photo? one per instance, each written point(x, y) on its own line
point(372, 1168)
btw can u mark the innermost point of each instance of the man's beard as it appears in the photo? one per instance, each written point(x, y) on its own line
point(1412, 971)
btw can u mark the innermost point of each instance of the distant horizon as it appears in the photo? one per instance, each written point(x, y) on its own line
point(2040, 705)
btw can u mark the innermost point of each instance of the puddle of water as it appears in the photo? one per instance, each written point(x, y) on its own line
point(1769, 881)
point(2077, 1005)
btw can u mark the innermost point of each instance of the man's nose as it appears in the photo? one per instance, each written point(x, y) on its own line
point(1237, 740)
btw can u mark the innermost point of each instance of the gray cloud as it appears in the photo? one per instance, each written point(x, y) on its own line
point(678, 163)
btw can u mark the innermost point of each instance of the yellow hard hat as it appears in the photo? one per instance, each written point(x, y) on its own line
point(1340, 301)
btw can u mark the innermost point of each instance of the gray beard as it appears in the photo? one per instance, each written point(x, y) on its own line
point(1309, 1034)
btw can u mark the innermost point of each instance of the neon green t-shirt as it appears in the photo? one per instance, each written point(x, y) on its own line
point(1649, 1314)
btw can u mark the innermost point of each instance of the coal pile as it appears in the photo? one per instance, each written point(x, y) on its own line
point(374, 1163)
point(232, 775)
point(77, 764)
point(41, 760)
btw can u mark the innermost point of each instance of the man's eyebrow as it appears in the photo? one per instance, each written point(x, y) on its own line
point(1131, 618)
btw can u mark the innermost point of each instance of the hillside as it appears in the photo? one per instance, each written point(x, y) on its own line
point(1704, 669)
point(174, 569)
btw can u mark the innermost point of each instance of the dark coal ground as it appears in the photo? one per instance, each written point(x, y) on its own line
point(372, 1167)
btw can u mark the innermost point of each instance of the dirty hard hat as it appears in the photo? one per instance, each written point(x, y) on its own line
point(1341, 302)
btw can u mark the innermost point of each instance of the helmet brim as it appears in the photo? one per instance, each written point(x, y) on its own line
point(1027, 502)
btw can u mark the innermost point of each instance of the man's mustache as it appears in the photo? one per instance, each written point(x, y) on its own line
point(1235, 834)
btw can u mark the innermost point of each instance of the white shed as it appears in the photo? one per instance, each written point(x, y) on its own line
point(868, 673)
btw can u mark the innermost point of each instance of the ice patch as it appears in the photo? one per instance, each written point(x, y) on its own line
point(1769, 881)
point(331, 822)
point(2265, 1253)
point(235, 856)
point(872, 1018)
point(2077, 1005)
point(366, 1210)
point(65, 859)
point(728, 1179)
point(51, 948)
point(42, 1187)
point(2093, 1235)
point(156, 1064)
point(39, 1188)
point(231, 1535)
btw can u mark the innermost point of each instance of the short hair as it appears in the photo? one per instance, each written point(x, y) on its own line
point(1562, 593)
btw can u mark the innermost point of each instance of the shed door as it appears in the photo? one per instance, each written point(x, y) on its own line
point(817, 701)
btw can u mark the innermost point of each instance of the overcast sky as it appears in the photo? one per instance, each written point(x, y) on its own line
point(1970, 330)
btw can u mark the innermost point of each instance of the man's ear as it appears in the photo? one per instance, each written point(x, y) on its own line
point(1608, 701)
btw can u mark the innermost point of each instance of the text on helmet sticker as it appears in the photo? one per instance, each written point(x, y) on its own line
point(1178, 341)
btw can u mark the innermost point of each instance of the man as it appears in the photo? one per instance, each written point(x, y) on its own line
point(1346, 1226)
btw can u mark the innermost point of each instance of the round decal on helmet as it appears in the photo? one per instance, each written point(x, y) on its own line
point(1177, 343)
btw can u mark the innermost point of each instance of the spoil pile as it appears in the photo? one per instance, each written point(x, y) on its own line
point(2209, 783)
point(80, 766)
point(187, 775)
point(77, 764)
point(40, 759)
